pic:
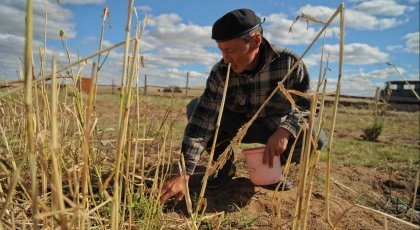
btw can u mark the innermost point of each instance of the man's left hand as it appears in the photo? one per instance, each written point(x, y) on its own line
point(276, 145)
point(174, 187)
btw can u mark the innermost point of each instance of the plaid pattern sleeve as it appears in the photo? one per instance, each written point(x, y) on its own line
point(202, 123)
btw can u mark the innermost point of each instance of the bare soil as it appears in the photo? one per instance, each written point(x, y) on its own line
point(252, 207)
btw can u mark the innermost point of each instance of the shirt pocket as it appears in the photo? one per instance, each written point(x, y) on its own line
point(236, 102)
point(278, 104)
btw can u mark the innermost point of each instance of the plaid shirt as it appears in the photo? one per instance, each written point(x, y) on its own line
point(245, 94)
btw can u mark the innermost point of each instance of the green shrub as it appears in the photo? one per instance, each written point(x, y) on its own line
point(375, 128)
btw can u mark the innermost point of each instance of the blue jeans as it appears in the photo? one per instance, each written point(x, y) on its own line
point(258, 132)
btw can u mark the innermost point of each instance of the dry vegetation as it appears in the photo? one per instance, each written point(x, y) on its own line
point(71, 160)
point(379, 175)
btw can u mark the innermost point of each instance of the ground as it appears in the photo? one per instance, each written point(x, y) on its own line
point(360, 197)
point(241, 205)
point(251, 207)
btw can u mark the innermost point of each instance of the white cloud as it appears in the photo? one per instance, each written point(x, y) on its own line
point(12, 34)
point(10, 45)
point(145, 9)
point(13, 19)
point(277, 30)
point(387, 8)
point(362, 21)
point(178, 56)
point(359, 54)
point(357, 85)
point(167, 29)
point(362, 83)
point(384, 73)
point(354, 54)
point(412, 43)
point(394, 48)
point(365, 83)
point(360, 17)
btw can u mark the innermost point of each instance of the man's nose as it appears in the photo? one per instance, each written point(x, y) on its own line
point(226, 59)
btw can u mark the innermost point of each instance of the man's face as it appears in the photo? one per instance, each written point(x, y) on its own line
point(239, 53)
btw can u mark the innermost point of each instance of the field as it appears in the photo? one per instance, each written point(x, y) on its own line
point(372, 183)
point(98, 159)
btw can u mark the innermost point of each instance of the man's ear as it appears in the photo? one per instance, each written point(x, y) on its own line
point(256, 40)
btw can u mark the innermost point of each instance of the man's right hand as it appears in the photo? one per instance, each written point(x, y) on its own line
point(174, 186)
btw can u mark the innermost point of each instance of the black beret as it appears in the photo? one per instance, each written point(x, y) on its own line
point(234, 24)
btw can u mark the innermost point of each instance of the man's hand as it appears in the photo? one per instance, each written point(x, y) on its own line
point(276, 145)
point(174, 186)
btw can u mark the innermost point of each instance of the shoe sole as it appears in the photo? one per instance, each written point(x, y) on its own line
point(282, 187)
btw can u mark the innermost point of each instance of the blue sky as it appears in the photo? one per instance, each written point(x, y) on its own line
point(177, 37)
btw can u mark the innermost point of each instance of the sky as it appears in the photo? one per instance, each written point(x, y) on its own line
point(381, 38)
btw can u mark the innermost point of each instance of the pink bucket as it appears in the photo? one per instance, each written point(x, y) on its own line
point(259, 173)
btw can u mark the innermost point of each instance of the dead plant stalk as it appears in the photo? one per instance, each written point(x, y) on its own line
point(209, 163)
point(126, 54)
point(29, 113)
point(340, 11)
point(122, 132)
point(57, 197)
point(105, 16)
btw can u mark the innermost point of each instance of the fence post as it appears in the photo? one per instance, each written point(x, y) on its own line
point(145, 84)
point(378, 94)
point(186, 86)
point(113, 86)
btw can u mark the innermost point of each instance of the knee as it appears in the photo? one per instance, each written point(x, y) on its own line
point(191, 107)
point(322, 140)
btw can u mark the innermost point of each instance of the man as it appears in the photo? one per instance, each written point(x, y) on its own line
point(257, 67)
